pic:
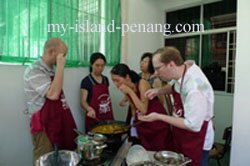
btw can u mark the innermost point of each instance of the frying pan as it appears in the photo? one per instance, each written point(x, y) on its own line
point(114, 138)
point(122, 125)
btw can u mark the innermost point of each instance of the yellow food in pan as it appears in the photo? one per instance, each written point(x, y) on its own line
point(108, 129)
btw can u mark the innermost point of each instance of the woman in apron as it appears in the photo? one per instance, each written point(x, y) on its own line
point(95, 98)
point(156, 135)
point(147, 73)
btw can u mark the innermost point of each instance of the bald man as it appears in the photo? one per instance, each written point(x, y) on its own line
point(51, 123)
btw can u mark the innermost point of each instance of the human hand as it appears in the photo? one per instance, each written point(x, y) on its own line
point(60, 60)
point(151, 93)
point(125, 89)
point(123, 102)
point(150, 117)
point(91, 113)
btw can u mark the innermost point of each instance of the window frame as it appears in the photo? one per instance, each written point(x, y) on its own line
point(227, 30)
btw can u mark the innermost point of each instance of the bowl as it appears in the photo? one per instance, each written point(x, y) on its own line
point(136, 155)
point(62, 158)
point(171, 158)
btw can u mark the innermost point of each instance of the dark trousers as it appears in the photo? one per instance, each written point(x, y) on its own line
point(204, 160)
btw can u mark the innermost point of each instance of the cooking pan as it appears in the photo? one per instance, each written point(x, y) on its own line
point(110, 128)
point(114, 130)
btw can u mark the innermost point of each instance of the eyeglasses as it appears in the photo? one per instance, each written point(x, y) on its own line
point(158, 67)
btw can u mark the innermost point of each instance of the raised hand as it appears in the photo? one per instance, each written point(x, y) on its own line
point(123, 102)
point(151, 93)
point(150, 117)
point(60, 60)
point(125, 89)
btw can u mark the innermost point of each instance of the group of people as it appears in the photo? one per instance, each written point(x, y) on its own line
point(188, 131)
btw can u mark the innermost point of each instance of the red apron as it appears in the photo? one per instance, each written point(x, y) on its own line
point(187, 142)
point(156, 135)
point(56, 120)
point(101, 103)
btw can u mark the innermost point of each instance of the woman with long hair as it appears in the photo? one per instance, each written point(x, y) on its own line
point(153, 136)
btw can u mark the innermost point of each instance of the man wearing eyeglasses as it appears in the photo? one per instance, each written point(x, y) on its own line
point(193, 95)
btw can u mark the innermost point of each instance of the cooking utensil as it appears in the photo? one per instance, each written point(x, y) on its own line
point(91, 151)
point(186, 162)
point(55, 155)
point(128, 126)
point(109, 128)
point(78, 131)
point(91, 147)
point(136, 154)
point(97, 119)
point(65, 158)
point(171, 158)
point(114, 139)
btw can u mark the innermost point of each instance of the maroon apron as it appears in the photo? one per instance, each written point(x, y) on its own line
point(101, 103)
point(59, 123)
point(156, 135)
point(56, 120)
point(187, 142)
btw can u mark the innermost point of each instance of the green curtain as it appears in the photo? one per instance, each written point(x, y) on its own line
point(65, 13)
point(21, 30)
point(26, 25)
point(113, 38)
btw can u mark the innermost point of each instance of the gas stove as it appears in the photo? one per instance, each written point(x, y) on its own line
point(105, 159)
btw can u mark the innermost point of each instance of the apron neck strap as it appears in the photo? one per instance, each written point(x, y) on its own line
point(182, 77)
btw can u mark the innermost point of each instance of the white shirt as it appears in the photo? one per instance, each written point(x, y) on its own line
point(197, 97)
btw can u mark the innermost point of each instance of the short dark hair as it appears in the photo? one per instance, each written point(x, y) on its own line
point(94, 57)
point(150, 63)
point(123, 70)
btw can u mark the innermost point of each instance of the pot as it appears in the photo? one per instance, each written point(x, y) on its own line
point(91, 147)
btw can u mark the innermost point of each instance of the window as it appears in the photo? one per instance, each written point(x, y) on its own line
point(185, 16)
point(188, 47)
point(214, 49)
point(26, 25)
point(220, 14)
